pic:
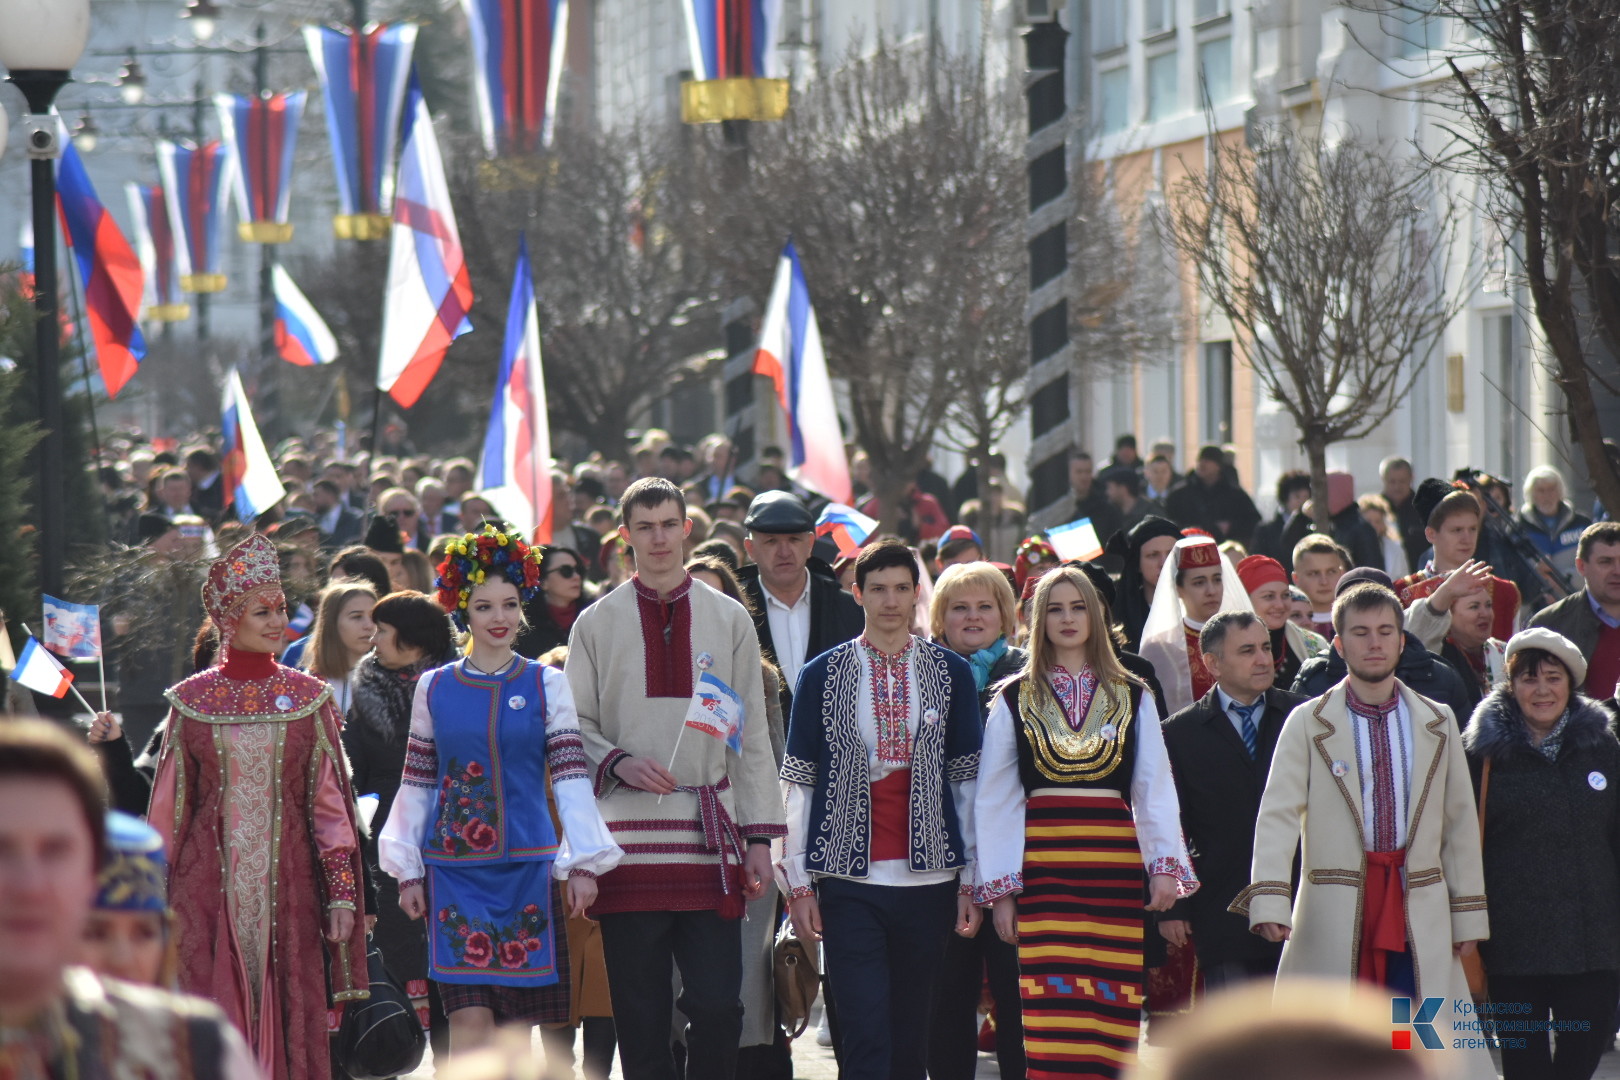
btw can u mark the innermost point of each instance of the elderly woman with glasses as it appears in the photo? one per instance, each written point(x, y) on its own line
point(1546, 768)
point(562, 596)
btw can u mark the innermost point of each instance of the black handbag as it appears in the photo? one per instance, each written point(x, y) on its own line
point(381, 1036)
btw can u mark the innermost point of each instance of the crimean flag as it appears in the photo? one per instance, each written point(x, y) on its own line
point(716, 710)
point(790, 355)
point(249, 476)
point(302, 336)
point(1075, 541)
point(364, 75)
point(262, 133)
point(732, 39)
point(195, 179)
point(38, 670)
point(518, 50)
point(109, 271)
point(848, 527)
point(515, 471)
point(429, 291)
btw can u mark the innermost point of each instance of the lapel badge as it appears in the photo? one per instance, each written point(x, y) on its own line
point(1597, 780)
point(705, 661)
point(283, 702)
point(930, 716)
point(1340, 768)
point(517, 701)
point(1108, 731)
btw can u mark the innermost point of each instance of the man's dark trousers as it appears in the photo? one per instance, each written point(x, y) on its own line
point(882, 945)
point(639, 947)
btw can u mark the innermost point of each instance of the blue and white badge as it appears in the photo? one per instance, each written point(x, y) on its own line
point(283, 702)
point(1340, 768)
point(1108, 732)
point(1597, 780)
point(705, 661)
point(930, 716)
point(516, 701)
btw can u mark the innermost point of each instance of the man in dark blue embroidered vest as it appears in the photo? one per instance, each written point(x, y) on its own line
point(882, 754)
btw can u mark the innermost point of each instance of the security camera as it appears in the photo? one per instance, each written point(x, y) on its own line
point(42, 136)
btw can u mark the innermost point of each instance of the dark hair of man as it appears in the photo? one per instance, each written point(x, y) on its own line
point(1322, 544)
point(1125, 441)
point(1531, 661)
point(173, 473)
point(1602, 532)
point(329, 486)
point(1127, 478)
point(1458, 502)
point(358, 562)
point(418, 622)
point(203, 459)
point(1291, 481)
point(881, 556)
point(1367, 597)
point(1212, 638)
point(1077, 454)
point(1158, 458)
point(649, 493)
point(39, 750)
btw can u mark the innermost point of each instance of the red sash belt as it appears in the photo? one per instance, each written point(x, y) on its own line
point(891, 816)
point(1383, 915)
point(720, 835)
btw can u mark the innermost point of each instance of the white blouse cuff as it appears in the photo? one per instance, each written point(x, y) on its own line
point(587, 843)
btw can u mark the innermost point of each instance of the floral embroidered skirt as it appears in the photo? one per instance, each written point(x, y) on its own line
point(1080, 926)
point(492, 940)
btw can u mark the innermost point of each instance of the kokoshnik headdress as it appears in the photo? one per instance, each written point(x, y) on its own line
point(248, 570)
point(479, 557)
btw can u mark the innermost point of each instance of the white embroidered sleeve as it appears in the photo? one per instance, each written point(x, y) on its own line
point(998, 810)
point(796, 799)
point(586, 846)
point(1154, 805)
point(399, 845)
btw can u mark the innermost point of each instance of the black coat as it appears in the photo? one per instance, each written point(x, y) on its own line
point(1552, 841)
point(1219, 787)
point(1422, 671)
point(1205, 506)
point(835, 617)
point(1350, 531)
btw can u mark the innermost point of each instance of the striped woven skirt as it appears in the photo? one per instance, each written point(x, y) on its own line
point(1080, 922)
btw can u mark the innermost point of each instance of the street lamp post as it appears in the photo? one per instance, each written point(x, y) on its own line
point(39, 44)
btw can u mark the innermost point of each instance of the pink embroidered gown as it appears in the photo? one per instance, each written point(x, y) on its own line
point(252, 795)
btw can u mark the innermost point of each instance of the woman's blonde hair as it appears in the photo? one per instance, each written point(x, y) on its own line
point(1100, 652)
point(965, 577)
point(325, 655)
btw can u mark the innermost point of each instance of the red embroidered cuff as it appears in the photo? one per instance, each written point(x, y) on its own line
point(338, 868)
point(801, 892)
point(606, 778)
point(408, 882)
point(763, 831)
point(580, 871)
point(1186, 880)
point(991, 891)
point(964, 889)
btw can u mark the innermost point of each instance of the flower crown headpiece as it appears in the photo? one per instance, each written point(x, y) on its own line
point(479, 557)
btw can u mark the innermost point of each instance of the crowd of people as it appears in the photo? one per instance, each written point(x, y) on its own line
point(1009, 802)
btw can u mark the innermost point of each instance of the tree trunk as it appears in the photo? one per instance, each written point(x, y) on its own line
point(1316, 446)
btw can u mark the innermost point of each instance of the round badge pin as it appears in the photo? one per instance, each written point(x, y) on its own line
point(1597, 780)
point(1108, 731)
point(517, 701)
point(931, 716)
point(705, 660)
point(1340, 768)
point(283, 702)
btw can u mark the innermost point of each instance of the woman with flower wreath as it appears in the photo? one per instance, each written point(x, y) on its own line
point(471, 816)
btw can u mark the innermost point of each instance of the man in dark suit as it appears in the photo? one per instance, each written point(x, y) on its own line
point(339, 525)
point(1220, 751)
point(799, 610)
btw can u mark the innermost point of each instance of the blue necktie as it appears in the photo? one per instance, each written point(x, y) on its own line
point(1251, 734)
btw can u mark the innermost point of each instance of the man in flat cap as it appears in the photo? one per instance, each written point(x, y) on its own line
point(799, 610)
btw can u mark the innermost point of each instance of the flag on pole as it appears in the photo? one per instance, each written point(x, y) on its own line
point(25, 252)
point(250, 479)
point(72, 630)
point(515, 471)
point(195, 179)
point(108, 269)
point(716, 710)
point(38, 670)
point(518, 52)
point(848, 527)
point(731, 39)
point(429, 290)
point(262, 133)
point(302, 336)
point(1077, 540)
point(790, 355)
point(154, 242)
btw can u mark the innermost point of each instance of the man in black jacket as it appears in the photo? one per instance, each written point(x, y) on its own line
point(799, 611)
point(1220, 751)
point(1212, 502)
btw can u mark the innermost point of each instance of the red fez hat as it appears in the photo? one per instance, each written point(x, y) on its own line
point(1199, 555)
point(1258, 570)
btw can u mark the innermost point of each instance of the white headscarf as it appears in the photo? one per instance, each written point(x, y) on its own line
point(1164, 641)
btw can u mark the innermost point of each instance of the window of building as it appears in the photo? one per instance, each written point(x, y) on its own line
point(1209, 9)
point(1162, 99)
point(1215, 377)
point(1108, 25)
point(1158, 16)
point(1415, 31)
point(1215, 71)
point(1114, 93)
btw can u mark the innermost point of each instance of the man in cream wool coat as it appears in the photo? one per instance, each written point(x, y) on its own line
point(1391, 887)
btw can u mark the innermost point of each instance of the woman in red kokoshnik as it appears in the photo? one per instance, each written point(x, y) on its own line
point(253, 800)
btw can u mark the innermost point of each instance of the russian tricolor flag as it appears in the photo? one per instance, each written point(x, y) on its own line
point(109, 270)
point(515, 471)
point(790, 354)
point(302, 336)
point(429, 290)
point(848, 527)
point(731, 39)
point(250, 479)
point(40, 671)
point(518, 51)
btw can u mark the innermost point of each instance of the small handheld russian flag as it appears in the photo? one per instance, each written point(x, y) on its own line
point(848, 527)
point(41, 672)
point(302, 336)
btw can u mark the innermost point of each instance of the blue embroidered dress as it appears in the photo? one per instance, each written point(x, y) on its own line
point(471, 814)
